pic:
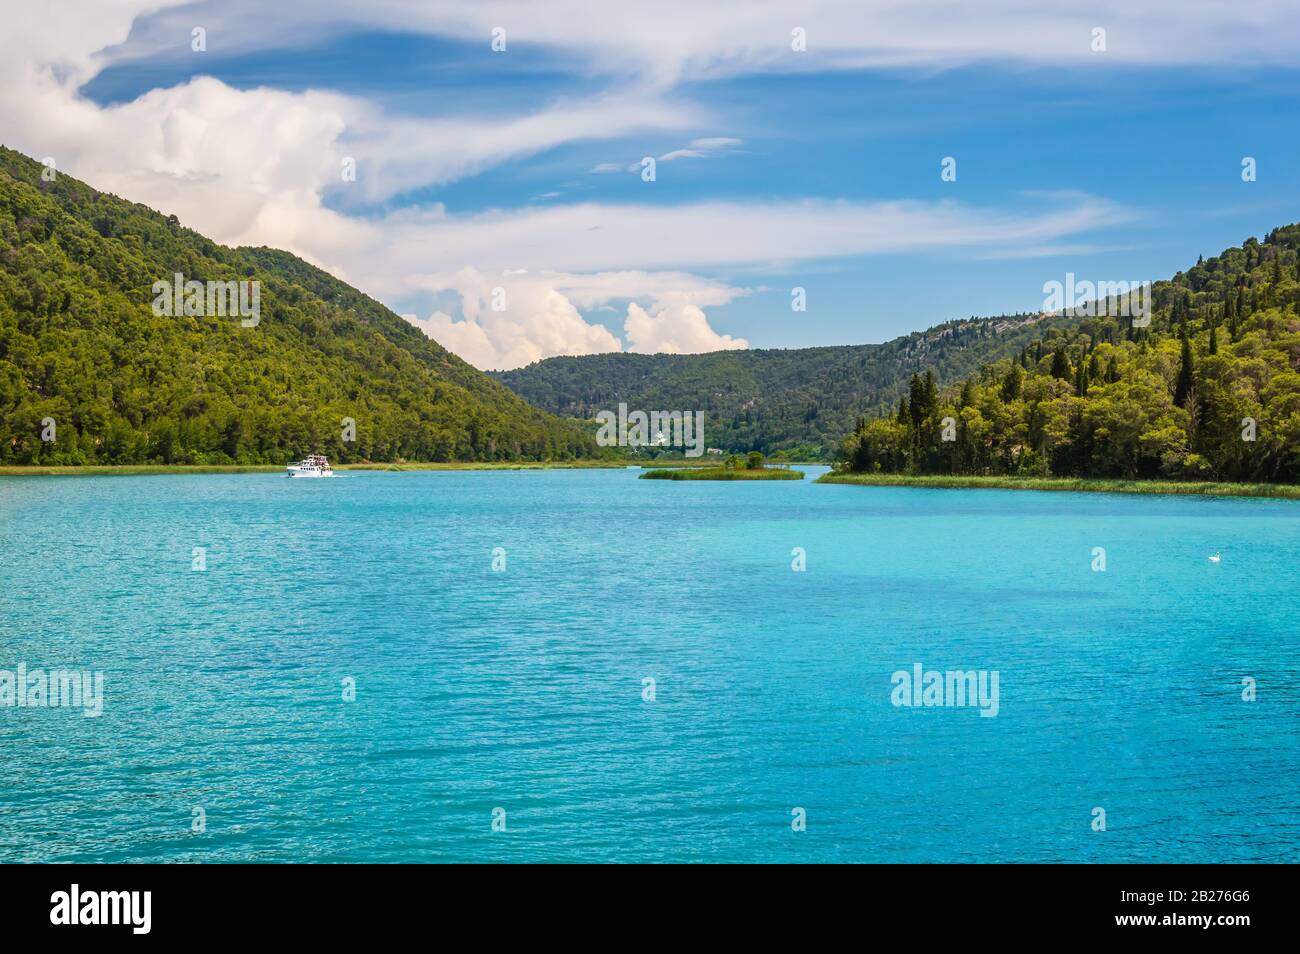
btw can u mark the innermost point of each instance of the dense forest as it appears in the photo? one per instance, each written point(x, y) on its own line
point(1210, 389)
point(799, 401)
point(81, 346)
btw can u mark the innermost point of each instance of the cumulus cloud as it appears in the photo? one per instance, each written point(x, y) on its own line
point(519, 317)
point(675, 329)
point(576, 256)
point(263, 165)
point(514, 321)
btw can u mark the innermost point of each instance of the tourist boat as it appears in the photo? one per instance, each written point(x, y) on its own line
point(315, 465)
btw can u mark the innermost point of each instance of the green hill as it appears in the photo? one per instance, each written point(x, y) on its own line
point(1210, 390)
point(80, 344)
point(802, 401)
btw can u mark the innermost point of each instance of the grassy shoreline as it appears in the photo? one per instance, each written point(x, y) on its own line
point(723, 473)
point(714, 463)
point(1075, 484)
point(136, 470)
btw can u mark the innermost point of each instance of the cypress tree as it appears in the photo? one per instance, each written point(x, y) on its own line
point(916, 401)
point(1214, 341)
point(1183, 387)
point(1011, 384)
point(1060, 365)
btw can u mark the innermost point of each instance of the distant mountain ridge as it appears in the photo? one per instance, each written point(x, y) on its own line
point(81, 347)
point(803, 400)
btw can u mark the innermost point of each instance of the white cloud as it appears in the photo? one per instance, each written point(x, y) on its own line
point(256, 166)
point(674, 40)
point(577, 259)
point(702, 148)
point(675, 329)
point(396, 154)
point(521, 317)
point(716, 142)
point(594, 237)
point(695, 149)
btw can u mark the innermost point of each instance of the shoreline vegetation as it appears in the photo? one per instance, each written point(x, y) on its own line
point(1074, 484)
point(138, 470)
point(1199, 396)
point(715, 463)
point(676, 472)
point(723, 473)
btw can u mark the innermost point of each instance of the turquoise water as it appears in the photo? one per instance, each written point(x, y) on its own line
point(522, 690)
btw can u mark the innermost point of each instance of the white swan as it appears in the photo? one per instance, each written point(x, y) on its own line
point(1215, 558)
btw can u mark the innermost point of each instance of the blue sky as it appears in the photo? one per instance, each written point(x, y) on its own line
point(821, 169)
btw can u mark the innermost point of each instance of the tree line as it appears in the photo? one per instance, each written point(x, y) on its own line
point(1209, 390)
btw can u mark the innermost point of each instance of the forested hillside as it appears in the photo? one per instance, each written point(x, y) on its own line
point(800, 400)
point(1209, 390)
point(80, 345)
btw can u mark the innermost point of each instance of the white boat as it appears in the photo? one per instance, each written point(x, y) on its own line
point(314, 465)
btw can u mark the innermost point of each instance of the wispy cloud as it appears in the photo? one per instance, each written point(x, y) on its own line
point(262, 165)
point(705, 148)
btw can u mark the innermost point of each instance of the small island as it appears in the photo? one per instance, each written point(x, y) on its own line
point(733, 468)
